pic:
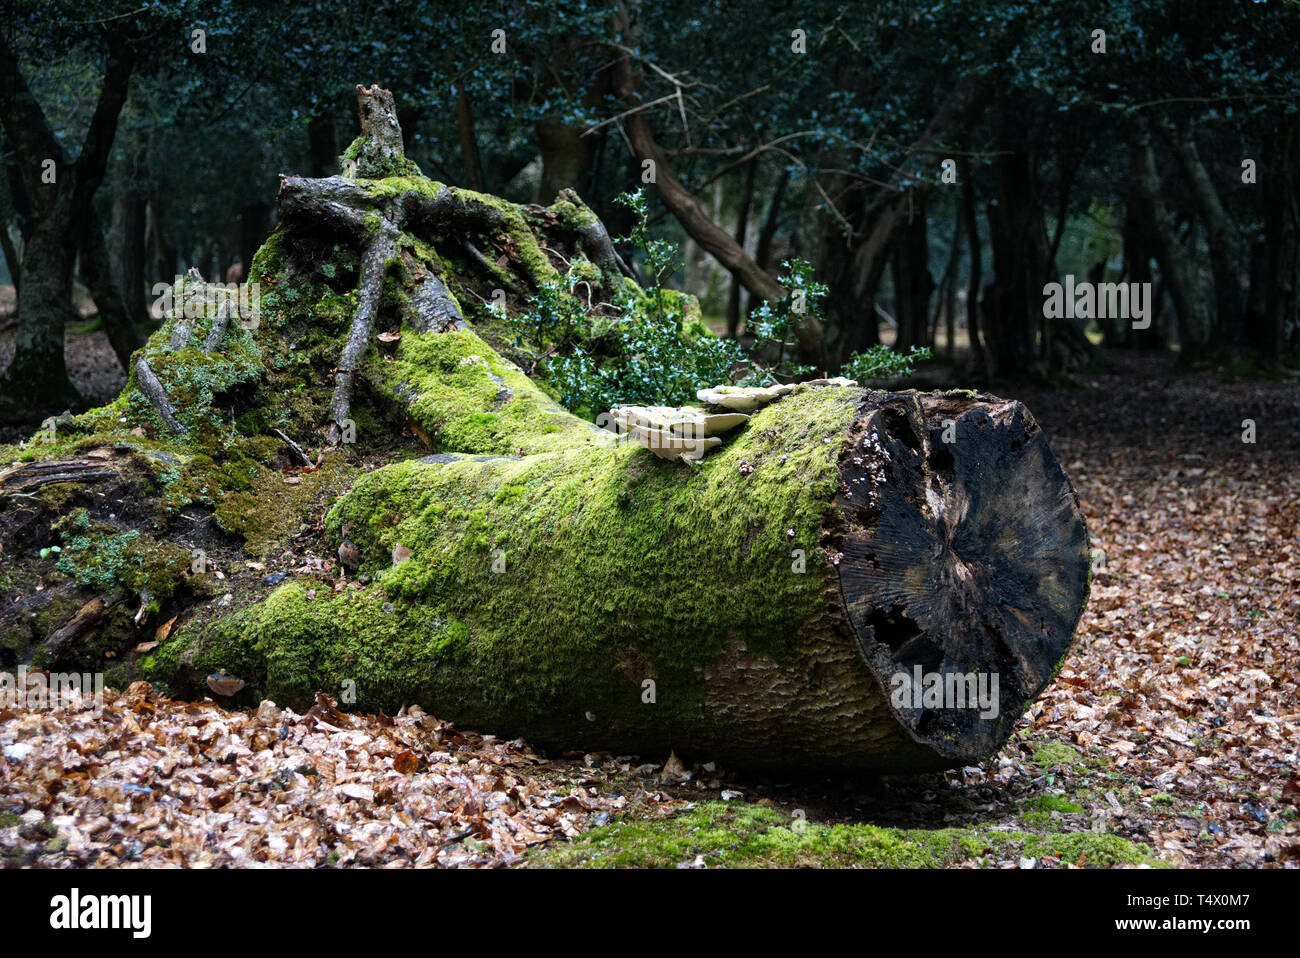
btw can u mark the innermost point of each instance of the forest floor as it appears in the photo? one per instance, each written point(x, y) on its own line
point(1170, 737)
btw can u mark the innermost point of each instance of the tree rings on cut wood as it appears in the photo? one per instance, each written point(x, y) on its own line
point(964, 556)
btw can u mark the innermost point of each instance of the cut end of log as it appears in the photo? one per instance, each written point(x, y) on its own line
point(964, 563)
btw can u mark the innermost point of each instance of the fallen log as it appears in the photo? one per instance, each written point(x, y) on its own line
point(757, 608)
point(848, 580)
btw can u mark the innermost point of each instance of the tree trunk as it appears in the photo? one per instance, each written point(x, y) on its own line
point(688, 212)
point(96, 269)
point(1013, 302)
point(36, 379)
point(164, 254)
point(1177, 265)
point(742, 228)
point(535, 575)
point(127, 234)
point(566, 158)
point(1222, 236)
point(469, 156)
point(973, 286)
point(1139, 248)
point(913, 284)
point(1278, 308)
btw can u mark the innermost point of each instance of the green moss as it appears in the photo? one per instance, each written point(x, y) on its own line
point(104, 559)
point(1055, 755)
point(738, 835)
point(388, 187)
point(621, 550)
point(447, 382)
point(1052, 803)
point(394, 166)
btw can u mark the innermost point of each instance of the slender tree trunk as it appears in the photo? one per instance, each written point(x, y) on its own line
point(913, 284)
point(97, 271)
point(1139, 249)
point(1280, 302)
point(742, 227)
point(1013, 302)
point(1177, 265)
point(767, 235)
point(1222, 235)
point(947, 302)
point(968, 212)
point(128, 242)
point(465, 131)
point(164, 255)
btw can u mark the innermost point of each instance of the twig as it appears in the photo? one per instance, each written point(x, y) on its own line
point(294, 446)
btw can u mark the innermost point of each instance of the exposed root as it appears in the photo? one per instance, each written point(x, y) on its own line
point(154, 392)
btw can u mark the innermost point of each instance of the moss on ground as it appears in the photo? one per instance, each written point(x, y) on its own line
point(742, 835)
point(1057, 755)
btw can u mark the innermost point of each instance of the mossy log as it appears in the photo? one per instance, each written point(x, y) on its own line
point(526, 573)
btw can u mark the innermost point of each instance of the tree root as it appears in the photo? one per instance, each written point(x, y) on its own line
point(154, 392)
point(374, 267)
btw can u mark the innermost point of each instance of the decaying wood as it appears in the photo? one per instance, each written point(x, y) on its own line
point(374, 266)
point(595, 238)
point(31, 476)
point(379, 127)
point(154, 392)
point(431, 309)
point(78, 627)
point(297, 449)
point(940, 532)
point(219, 323)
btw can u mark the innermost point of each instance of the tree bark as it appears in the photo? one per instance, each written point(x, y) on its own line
point(757, 607)
point(96, 270)
point(913, 284)
point(1013, 302)
point(1222, 236)
point(1176, 263)
point(127, 233)
point(1277, 306)
point(973, 285)
point(469, 156)
point(742, 228)
point(37, 378)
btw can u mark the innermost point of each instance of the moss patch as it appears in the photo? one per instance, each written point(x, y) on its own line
point(1056, 755)
point(736, 835)
point(531, 578)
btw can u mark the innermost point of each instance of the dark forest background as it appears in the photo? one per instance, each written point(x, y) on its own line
point(1173, 157)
